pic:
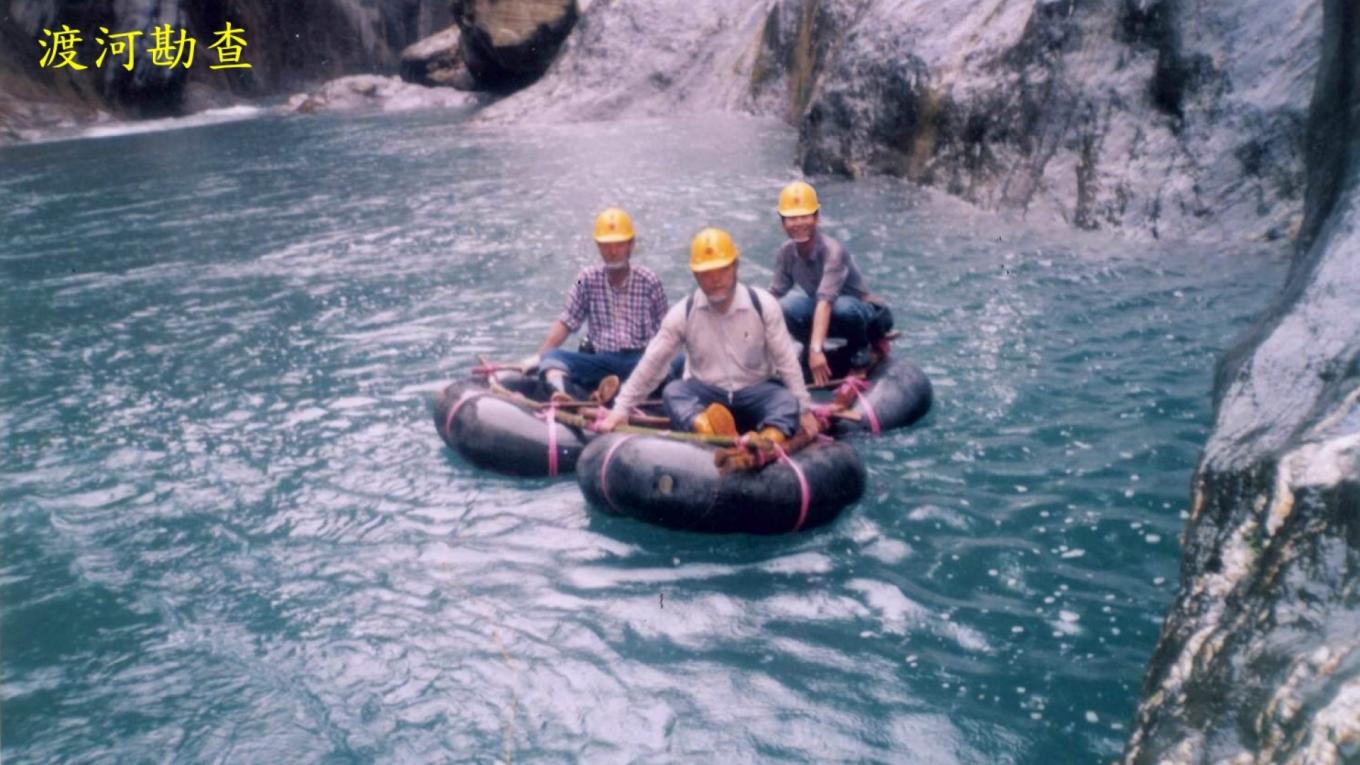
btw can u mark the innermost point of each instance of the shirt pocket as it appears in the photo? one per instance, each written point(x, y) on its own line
point(752, 353)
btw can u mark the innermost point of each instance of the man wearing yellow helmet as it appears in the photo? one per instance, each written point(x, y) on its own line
point(623, 305)
point(735, 342)
point(836, 302)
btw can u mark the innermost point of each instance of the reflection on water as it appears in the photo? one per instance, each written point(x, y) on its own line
point(232, 533)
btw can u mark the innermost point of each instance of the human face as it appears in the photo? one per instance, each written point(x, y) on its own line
point(615, 254)
point(800, 228)
point(718, 285)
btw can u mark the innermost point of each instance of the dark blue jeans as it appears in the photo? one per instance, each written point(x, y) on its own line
point(753, 407)
point(850, 319)
point(586, 370)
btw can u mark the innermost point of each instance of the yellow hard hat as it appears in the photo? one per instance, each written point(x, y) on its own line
point(798, 198)
point(613, 225)
point(712, 249)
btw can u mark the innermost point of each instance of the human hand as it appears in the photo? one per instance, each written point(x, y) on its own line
point(530, 362)
point(609, 422)
point(821, 371)
point(810, 423)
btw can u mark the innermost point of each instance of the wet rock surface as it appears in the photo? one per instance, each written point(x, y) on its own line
point(1161, 118)
point(508, 44)
point(647, 58)
point(437, 61)
point(289, 46)
point(377, 93)
point(1259, 660)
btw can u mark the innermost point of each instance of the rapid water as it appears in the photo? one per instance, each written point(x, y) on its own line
point(231, 534)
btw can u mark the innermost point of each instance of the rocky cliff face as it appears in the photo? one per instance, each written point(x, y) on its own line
point(647, 58)
point(1259, 660)
point(1154, 117)
point(288, 45)
point(1162, 117)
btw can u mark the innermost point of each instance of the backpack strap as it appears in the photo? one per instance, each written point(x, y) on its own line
point(755, 301)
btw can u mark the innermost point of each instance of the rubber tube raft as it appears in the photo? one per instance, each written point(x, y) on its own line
point(898, 394)
point(498, 434)
point(495, 433)
point(674, 484)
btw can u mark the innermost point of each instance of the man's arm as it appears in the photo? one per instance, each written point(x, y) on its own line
point(821, 322)
point(785, 358)
point(835, 270)
point(651, 368)
point(783, 276)
point(557, 335)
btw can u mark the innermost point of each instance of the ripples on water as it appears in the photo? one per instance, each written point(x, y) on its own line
point(231, 533)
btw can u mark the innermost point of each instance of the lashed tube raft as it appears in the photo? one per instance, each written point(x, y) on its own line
point(674, 484)
point(498, 434)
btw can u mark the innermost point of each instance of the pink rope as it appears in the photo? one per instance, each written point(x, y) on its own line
point(453, 410)
point(858, 386)
point(804, 490)
point(604, 470)
point(551, 416)
point(874, 427)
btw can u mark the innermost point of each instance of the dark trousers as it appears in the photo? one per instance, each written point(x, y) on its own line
point(857, 321)
point(586, 370)
point(754, 407)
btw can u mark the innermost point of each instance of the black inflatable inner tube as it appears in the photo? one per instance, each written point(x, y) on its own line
point(899, 395)
point(497, 434)
point(675, 484)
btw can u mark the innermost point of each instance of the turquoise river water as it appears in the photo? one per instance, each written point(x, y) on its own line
point(231, 534)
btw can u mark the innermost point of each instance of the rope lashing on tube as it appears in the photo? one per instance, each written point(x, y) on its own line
point(804, 490)
point(453, 410)
point(550, 416)
point(858, 386)
point(604, 470)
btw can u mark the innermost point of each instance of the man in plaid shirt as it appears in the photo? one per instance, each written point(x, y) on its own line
point(623, 305)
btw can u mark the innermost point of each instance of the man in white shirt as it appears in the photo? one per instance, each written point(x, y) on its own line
point(735, 342)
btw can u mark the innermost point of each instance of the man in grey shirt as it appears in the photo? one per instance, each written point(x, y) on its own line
point(735, 341)
point(836, 302)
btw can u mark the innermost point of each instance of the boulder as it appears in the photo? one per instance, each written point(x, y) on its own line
point(437, 61)
point(508, 44)
point(362, 92)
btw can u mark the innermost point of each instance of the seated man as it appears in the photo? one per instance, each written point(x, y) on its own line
point(622, 303)
point(836, 302)
point(734, 340)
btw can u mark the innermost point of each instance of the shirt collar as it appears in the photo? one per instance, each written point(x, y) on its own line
point(818, 244)
point(741, 299)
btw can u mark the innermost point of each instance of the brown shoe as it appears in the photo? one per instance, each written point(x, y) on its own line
point(606, 390)
point(716, 420)
point(773, 435)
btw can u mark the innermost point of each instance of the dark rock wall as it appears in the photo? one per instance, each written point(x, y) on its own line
point(508, 44)
point(288, 44)
point(1259, 659)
